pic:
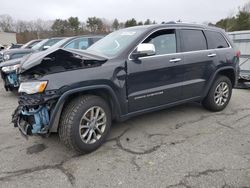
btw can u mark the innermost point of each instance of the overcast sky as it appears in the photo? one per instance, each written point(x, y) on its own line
point(160, 10)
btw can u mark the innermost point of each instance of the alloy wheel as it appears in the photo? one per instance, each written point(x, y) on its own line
point(92, 125)
point(221, 94)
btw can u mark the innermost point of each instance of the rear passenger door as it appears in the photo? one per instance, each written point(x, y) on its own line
point(221, 46)
point(199, 63)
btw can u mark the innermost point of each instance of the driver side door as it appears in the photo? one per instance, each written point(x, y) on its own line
point(156, 80)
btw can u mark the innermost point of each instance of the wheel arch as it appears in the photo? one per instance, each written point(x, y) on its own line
point(102, 91)
point(225, 71)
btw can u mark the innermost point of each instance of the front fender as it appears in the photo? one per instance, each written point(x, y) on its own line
point(56, 112)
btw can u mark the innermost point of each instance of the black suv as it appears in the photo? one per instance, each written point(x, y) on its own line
point(127, 73)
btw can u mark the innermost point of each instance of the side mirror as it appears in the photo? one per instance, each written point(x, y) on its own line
point(46, 47)
point(144, 49)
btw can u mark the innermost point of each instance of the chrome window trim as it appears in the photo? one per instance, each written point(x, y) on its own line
point(181, 53)
point(178, 53)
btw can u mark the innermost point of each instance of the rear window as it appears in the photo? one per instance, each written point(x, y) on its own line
point(216, 40)
point(193, 40)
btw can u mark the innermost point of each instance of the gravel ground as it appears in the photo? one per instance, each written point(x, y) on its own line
point(185, 146)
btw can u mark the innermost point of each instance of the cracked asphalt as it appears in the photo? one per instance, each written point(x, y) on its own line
point(184, 146)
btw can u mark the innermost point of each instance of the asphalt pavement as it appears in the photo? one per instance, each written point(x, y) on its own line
point(184, 146)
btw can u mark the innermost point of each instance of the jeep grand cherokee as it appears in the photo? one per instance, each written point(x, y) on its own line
point(127, 73)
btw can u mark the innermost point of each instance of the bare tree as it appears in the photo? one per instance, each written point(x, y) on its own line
point(6, 23)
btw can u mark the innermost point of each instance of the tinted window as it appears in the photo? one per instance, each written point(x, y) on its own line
point(193, 40)
point(164, 41)
point(216, 40)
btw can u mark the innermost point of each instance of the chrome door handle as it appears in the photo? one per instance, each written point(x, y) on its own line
point(175, 60)
point(211, 55)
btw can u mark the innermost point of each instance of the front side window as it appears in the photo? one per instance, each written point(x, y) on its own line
point(216, 40)
point(164, 41)
point(193, 40)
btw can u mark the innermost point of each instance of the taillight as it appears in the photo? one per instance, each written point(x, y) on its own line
point(238, 54)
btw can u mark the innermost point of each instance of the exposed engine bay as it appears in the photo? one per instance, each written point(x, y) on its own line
point(33, 114)
point(56, 61)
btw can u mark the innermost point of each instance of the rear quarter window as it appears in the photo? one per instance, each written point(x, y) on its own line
point(216, 40)
point(192, 40)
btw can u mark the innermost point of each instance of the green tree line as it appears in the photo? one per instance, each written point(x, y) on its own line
point(241, 21)
point(28, 30)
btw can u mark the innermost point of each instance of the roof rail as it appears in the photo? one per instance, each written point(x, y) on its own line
point(171, 22)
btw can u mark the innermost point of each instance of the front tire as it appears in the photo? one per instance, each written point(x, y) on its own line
point(85, 123)
point(219, 94)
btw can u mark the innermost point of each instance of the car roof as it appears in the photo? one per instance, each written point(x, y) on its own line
point(179, 25)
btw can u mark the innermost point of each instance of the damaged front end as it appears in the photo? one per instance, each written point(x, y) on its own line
point(32, 116)
point(37, 100)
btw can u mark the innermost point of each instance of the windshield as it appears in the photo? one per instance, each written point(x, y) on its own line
point(39, 44)
point(60, 43)
point(30, 44)
point(116, 42)
point(47, 42)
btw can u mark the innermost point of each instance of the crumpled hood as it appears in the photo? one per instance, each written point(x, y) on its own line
point(11, 62)
point(32, 60)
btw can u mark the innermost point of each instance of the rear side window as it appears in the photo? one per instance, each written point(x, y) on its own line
point(193, 40)
point(215, 40)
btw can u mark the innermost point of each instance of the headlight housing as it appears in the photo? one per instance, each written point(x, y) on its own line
point(10, 68)
point(32, 87)
point(6, 57)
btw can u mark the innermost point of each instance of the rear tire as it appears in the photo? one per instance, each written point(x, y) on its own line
point(85, 123)
point(219, 94)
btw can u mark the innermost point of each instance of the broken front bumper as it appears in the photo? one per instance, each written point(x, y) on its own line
point(32, 116)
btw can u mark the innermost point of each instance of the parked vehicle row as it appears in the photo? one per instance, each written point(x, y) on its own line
point(28, 48)
point(15, 57)
point(12, 46)
point(78, 93)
